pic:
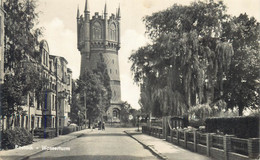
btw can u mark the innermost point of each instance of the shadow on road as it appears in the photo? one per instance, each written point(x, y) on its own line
point(134, 133)
point(95, 157)
point(103, 134)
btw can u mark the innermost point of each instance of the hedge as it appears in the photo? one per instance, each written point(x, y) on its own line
point(242, 127)
point(67, 130)
point(17, 136)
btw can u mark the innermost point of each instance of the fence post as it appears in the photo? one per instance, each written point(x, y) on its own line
point(171, 136)
point(185, 139)
point(227, 145)
point(253, 147)
point(195, 140)
point(208, 141)
point(178, 137)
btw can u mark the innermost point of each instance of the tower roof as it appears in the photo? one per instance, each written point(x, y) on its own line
point(105, 9)
point(86, 6)
point(118, 12)
point(78, 12)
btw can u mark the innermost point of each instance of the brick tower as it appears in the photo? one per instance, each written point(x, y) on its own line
point(99, 39)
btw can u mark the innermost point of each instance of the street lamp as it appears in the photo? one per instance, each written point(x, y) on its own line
point(139, 118)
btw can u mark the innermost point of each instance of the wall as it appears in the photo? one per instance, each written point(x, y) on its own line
point(220, 154)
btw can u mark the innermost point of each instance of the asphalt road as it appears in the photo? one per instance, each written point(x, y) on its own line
point(111, 144)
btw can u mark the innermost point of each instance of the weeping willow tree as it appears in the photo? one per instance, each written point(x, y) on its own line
point(187, 61)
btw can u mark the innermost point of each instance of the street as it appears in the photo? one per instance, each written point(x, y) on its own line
point(109, 144)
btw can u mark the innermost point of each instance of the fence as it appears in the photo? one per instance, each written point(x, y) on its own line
point(226, 147)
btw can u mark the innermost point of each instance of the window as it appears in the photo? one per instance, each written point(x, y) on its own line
point(68, 80)
point(59, 122)
point(53, 102)
point(113, 61)
point(97, 31)
point(116, 71)
point(53, 122)
point(112, 32)
point(110, 71)
point(114, 113)
point(38, 122)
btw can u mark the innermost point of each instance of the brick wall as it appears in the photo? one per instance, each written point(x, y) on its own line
point(220, 154)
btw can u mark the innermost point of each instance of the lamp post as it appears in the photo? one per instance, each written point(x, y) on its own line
point(138, 119)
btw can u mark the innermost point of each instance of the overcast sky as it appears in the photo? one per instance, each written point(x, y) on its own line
point(58, 17)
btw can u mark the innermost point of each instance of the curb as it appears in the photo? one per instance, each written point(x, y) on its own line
point(55, 145)
point(152, 150)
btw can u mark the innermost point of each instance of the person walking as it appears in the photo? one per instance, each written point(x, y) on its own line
point(103, 126)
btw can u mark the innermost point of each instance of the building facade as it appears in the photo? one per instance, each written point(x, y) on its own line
point(57, 94)
point(99, 40)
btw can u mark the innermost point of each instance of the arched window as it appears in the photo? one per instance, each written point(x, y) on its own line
point(97, 31)
point(112, 31)
point(114, 113)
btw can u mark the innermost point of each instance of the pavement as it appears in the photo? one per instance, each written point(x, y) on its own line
point(158, 147)
point(23, 153)
point(163, 149)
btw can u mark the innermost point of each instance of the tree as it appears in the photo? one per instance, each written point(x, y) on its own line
point(125, 112)
point(25, 79)
point(21, 36)
point(184, 66)
point(242, 84)
point(22, 74)
point(95, 92)
point(106, 93)
point(76, 106)
point(198, 55)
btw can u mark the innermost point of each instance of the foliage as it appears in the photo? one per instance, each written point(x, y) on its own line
point(67, 130)
point(26, 78)
point(190, 59)
point(17, 136)
point(242, 84)
point(22, 76)
point(94, 91)
point(76, 106)
point(125, 112)
point(21, 36)
point(243, 127)
point(106, 93)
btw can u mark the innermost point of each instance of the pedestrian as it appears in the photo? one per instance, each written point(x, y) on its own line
point(99, 125)
point(103, 126)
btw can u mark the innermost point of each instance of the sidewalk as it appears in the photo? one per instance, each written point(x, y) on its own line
point(164, 149)
point(39, 146)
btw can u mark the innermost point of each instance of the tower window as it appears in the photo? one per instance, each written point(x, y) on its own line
point(113, 32)
point(96, 31)
point(110, 71)
point(116, 71)
point(113, 61)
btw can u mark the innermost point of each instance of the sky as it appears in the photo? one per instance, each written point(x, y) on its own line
point(58, 18)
